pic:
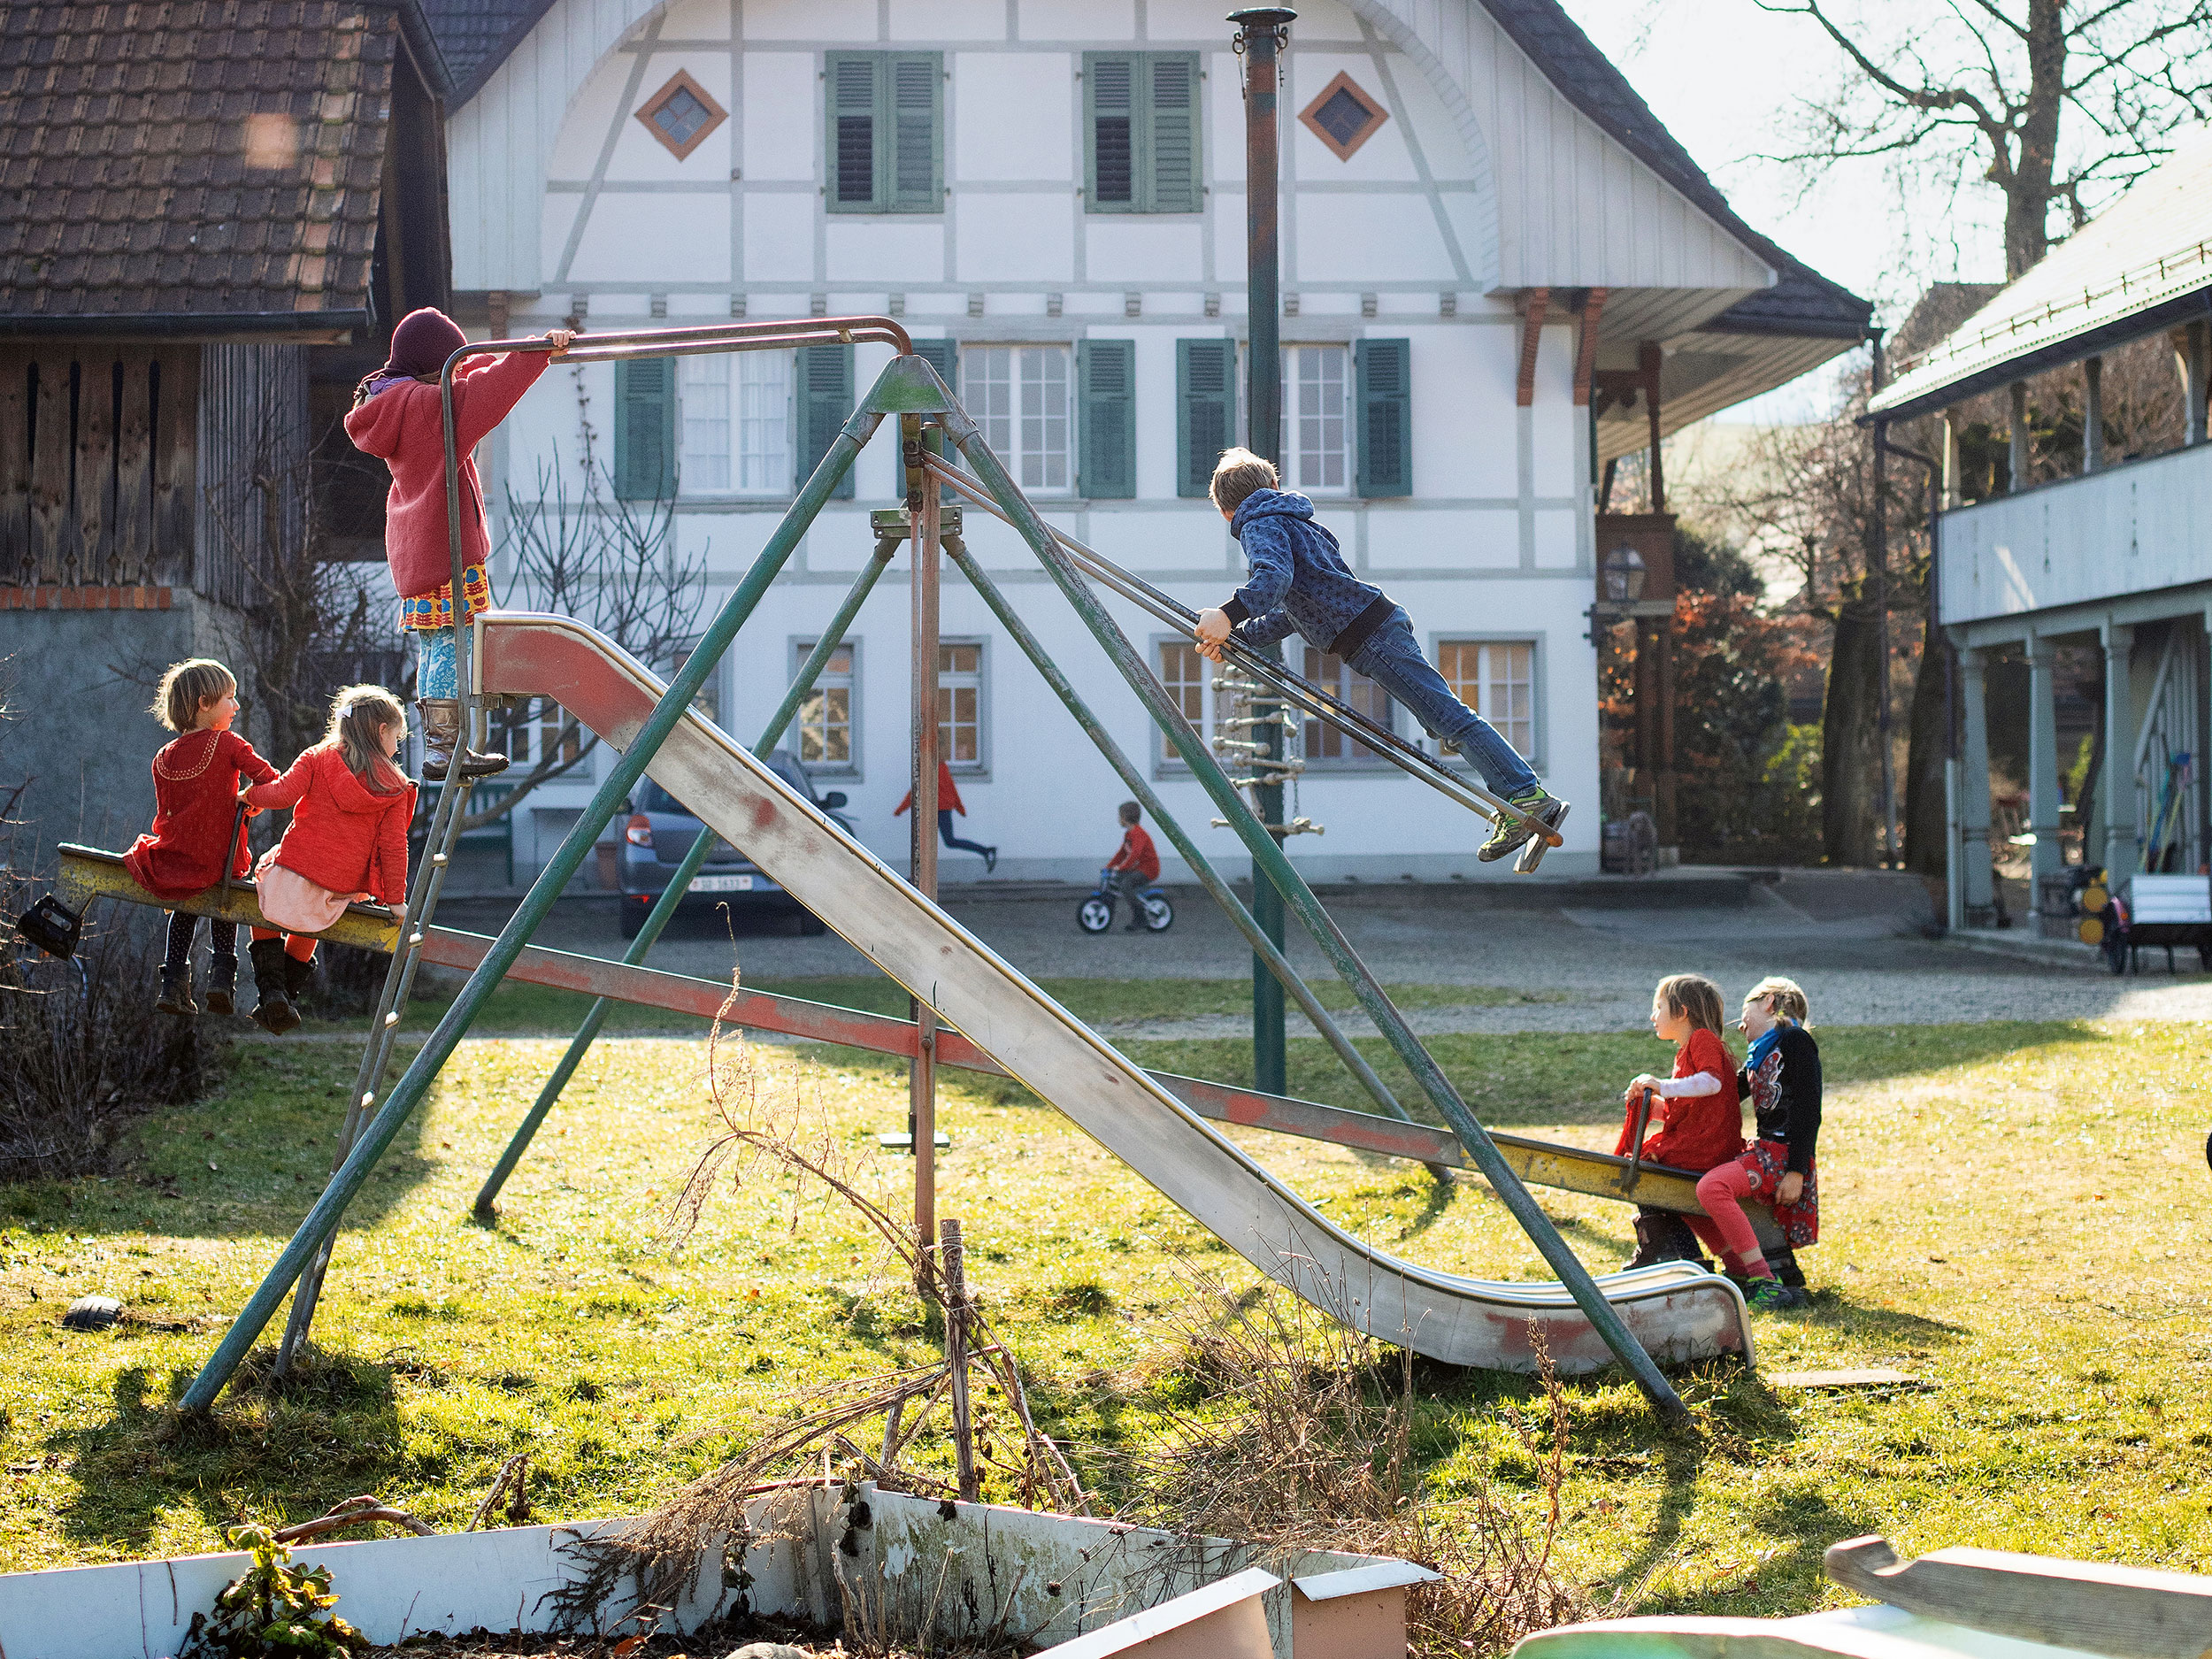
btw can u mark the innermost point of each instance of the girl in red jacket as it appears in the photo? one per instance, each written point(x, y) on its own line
point(348, 842)
point(397, 417)
point(196, 805)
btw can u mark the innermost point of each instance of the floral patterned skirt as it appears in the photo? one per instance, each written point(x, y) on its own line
point(1768, 1161)
point(429, 612)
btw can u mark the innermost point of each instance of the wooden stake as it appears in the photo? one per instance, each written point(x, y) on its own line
point(953, 1256)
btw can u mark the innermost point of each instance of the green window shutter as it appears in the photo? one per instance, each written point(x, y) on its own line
point(1141, 112)
point(1109, 117)
point(645, 428)
point(944, 356)
point(825, 399)
point(1172, 128)
point(917, 124)
point(859, 142)
point(1106, 377)
point(1386, 418)
point(1205, 407)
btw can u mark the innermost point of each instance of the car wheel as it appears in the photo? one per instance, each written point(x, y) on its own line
point(634, 913)
point(1159, 914)
point(1095, 915)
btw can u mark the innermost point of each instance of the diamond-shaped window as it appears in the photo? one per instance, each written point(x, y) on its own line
point(1344, 117)
point(681, 114)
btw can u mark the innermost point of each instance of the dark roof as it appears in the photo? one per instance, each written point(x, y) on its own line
point(188, 159)
point(1802, 302)
point(475, 36)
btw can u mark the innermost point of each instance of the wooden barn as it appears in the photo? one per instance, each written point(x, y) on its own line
point(213, 217)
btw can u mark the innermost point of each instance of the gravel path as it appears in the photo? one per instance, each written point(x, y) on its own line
point(1853, 940)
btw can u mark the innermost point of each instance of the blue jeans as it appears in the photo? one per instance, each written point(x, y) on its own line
point(436, 674)
point(945, 835)
point(1392, 661)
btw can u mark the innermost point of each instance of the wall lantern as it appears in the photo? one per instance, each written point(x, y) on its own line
point(1624, 569)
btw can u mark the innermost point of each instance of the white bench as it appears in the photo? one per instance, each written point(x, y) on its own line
point(2165, 911)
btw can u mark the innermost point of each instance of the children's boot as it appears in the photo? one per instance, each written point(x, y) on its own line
point(273, 1012)
point(176, 992)
point(222, 979)
point(442, 736)
point(1512, 831)
point(299, 978)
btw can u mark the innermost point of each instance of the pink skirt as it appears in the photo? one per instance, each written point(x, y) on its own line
point(290, 901)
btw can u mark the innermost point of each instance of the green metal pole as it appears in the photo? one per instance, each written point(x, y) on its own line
point(665, 907)
point(620, 780)
point(1267, 858)
point(1263, 950)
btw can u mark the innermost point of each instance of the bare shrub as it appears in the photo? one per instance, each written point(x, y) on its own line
point(1286, 1428)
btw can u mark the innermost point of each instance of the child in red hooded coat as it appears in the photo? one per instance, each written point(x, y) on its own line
point(348, 842)
point(399, 417)
point(196, 822)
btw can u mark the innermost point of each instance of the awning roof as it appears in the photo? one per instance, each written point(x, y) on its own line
point(2142, 265)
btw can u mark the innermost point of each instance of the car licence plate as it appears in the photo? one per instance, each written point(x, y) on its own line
point(722, 884)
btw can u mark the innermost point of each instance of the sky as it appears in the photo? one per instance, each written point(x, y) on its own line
point(1849, 223)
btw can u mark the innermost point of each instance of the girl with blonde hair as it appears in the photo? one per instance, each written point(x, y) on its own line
point(347, 843)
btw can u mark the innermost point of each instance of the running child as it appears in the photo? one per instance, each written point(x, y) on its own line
point(348, 842)
point(398, 418)
point(1781, 1077)
point(1136, 867)
point(1297, 582)
point(948, 803)
point(192, 845)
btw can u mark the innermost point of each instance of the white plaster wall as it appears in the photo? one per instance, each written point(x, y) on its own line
point(1494, 543)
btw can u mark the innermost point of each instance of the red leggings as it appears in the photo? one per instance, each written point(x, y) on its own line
point(1723, 1227)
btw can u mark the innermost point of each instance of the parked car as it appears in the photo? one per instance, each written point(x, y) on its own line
point(660, 830)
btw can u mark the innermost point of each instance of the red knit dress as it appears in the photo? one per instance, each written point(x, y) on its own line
point(1700, 1131)
point(195, 803)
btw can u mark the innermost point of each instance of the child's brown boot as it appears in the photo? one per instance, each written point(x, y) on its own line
point(442, 736)
point(176, 992)
point(222, 979)
point(273, 1011)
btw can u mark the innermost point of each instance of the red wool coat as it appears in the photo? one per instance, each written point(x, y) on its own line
point(195, 802)
point(345, 837)
point(404, 428)
point(1699, 1133)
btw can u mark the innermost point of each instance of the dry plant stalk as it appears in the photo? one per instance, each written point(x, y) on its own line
point(775, 1133)
point(1301, 1441)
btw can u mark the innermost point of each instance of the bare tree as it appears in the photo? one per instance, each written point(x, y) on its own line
point(610, 563)
point(1960, 92)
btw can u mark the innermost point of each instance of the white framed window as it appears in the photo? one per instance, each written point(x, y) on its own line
point(825, 732)
point(534, 734)
point(962, 726)
point(1022, 398)
point(1316, 447)
point(1497, 680)
point(1326, 744)
point(735, 411)
point(1188, 679)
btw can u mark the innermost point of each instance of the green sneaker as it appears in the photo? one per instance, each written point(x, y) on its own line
point(1767, 1295)
point(1510, 832)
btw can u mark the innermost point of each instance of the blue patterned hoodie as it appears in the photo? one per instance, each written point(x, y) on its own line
point(1297, 581)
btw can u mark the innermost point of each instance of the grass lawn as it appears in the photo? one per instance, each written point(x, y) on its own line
point(2014, 1213)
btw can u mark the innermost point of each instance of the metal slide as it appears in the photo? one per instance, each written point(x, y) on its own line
point(1678, 1312)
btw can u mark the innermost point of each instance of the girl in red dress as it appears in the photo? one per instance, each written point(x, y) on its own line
point(348, 842)
point(196, 805)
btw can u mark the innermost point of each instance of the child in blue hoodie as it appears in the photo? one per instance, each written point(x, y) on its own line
point(1298, 582)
